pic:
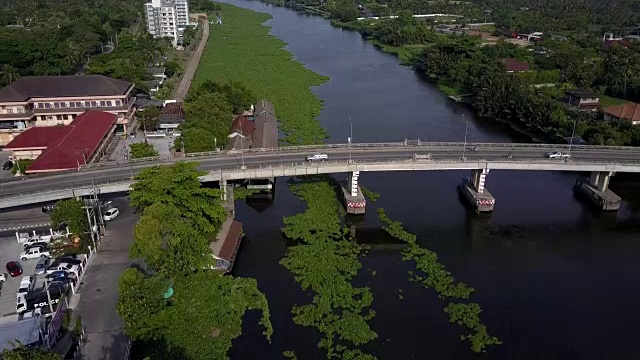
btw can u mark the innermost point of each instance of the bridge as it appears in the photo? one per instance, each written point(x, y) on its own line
point(480, 158)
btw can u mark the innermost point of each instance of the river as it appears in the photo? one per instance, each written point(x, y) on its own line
point(556, 278)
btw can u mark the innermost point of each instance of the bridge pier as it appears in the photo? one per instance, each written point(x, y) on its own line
point(596, 190)
point(223, 187)
point(353, 198)
point(474, 190)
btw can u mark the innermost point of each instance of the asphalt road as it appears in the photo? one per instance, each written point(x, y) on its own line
point(113, 173)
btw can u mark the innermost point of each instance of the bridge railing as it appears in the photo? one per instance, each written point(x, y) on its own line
point(291, 165)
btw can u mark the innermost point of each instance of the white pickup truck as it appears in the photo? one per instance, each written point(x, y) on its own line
point(33, 253)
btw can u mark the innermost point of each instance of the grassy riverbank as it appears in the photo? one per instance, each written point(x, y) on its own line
point(242, 50)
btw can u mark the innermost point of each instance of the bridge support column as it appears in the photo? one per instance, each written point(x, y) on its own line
point(596, 190)
point(475, 192)
point(353, 198)
point(223, 187)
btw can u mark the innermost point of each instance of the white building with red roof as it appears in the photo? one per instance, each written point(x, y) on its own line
point(66, 147)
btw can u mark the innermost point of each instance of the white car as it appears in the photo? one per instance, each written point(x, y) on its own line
point(63, 267)
point(557, 155)
point(111, 214)
point(33, 253)
point(25, 285)
point(317, 157)
point(37, 239)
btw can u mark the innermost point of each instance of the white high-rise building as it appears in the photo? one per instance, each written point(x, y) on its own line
point(165, 18)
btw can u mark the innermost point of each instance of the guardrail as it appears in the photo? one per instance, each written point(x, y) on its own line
point(417, 144)
point(402, 160)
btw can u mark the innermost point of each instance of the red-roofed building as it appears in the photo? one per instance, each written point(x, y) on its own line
point(629, 111)
point(513, 65)
point(66, 147)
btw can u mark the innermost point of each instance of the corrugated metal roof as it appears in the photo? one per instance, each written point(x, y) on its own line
point(629, 111)
point(264, 106)
point(38, 137)
point(266, 132)
point(63, 86)
point(25, 331)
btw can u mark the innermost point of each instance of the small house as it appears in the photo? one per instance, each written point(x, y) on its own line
point(582, 99)
point(629, 112)
point(512, 65)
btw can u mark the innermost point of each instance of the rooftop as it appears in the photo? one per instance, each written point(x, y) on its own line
point(242, 125)
point(629, 111)
point(29, 87)
point(264, 106)
point(583, 93)
point(513, 65)
point(26, 332)
point(38, 138)
point(266, 131)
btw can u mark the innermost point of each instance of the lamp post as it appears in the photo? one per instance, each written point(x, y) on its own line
point(242, 146)
point(573, 132)
point(350, 137)
point(466, 129)
point(215, 141)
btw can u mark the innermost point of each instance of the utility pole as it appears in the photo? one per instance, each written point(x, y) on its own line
point(242, 146)
point(466, 129)
point(350, 137)
point(573, 132)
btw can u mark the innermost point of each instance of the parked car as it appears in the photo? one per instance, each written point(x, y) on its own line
point(557, 155)
point(3, 277)
point(317, 157)
point(41, 266)
point(48, 208)
point(25, 286)
point(14, 269)
point(62, 267)
point(38, 239)
point(60, 275)
point(41, 244)
point(8, 165)
point(111, 214)
point(36, 252)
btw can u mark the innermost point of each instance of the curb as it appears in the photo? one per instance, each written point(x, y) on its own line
point(31, 226)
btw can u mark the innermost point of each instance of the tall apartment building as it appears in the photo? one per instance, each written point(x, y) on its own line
point(167, 18)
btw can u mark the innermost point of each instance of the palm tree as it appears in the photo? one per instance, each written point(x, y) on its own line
point(9, 73)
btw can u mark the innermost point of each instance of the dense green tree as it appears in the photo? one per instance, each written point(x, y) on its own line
point(27, 353)
point(142, 150)
point(149, 117)
point(141, 298)
point(196, 139)
point(179, 185)
point(71, 213)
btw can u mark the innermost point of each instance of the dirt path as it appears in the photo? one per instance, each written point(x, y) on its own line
point(190, 71)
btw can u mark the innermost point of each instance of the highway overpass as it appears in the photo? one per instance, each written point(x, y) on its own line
point(480, 158)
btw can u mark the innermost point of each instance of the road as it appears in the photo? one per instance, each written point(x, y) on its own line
point(99, 291)
point(230, 161)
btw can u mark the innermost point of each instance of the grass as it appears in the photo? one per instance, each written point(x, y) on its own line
point(241, 49)
point(406, 53)
point(607, 101)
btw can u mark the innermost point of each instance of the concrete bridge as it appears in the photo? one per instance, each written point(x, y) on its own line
point(480, 158)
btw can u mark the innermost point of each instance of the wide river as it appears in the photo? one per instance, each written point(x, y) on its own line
point(556, 279)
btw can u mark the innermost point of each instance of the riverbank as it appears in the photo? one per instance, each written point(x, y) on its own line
point(242, 50)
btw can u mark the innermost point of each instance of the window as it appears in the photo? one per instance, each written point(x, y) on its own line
point(103, 103)
point(47, 105)
point(72, 104)
point(63, 104)
point(40, 105)
point(108, 102)
point(94, 103)
point(49, 118)
point(79, 104)
point(20, 110)
point(118, 103)
point(9, 110)
point(58, 117)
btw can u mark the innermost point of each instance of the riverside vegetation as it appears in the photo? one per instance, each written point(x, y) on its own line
point(203, 313)
point(432, 274)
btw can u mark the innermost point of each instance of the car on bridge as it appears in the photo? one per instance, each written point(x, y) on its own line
point(317, 157)
point(557, 155)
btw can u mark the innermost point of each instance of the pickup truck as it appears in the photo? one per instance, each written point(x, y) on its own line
point(33, 253)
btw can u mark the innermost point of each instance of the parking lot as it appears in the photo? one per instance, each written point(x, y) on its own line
point(162, 145)
point(10, 250)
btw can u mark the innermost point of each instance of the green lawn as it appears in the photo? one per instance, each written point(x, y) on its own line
point(606, 101)
point(242, 50)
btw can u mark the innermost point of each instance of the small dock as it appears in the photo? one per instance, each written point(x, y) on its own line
point(225, 247)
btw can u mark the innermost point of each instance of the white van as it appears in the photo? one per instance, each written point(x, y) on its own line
point(317, 157)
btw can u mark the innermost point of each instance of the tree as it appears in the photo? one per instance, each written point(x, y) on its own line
point(149, 117)
point(142, 150)
point(170, 242)
point(141, 298)
point(71, 213)
point(179, 185)
point(9, 74)
point(22, 165)
point(26, 353)
point(196, 139)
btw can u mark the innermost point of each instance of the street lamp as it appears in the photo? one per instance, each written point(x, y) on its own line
point(466, 130)
point(215, 141)
point(350, 137)
point(573, 132)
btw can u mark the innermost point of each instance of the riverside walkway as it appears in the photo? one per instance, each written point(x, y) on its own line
point(190, 71)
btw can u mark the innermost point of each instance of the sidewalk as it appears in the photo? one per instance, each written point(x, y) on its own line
point(99, 291)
